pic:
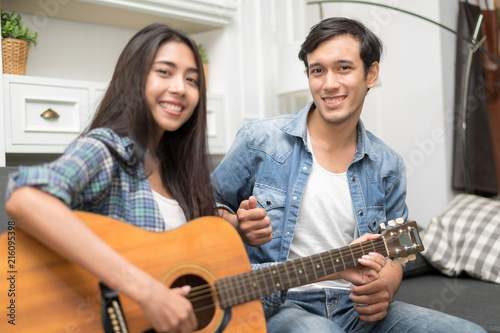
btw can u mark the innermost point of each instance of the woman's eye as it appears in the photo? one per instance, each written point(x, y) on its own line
point(192, 80)
point(163, 71)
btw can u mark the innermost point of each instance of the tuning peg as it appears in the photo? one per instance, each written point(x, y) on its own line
point(400, 220)
point(382, 226)
point(412, 257)
point(403, 260)
point(391, 223)
point(394, 263)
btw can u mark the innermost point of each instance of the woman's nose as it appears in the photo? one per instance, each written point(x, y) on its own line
point(177, 85)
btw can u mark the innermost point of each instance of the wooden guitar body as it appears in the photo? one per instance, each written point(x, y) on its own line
point(51, 294)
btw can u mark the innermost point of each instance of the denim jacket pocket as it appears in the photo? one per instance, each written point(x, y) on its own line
point(273, 201)
point(376, 216)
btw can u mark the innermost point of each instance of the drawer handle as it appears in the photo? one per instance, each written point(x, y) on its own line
point(49, 114)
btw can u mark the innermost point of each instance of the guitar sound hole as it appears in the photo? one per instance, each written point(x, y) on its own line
point(200, 296)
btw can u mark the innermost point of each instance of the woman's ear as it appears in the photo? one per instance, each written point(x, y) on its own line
point(372, 75)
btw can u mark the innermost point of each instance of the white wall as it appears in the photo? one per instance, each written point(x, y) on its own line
point(249, 59)
point(74, 50)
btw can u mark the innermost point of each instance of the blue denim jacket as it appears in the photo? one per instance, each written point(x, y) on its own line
point(269, 159)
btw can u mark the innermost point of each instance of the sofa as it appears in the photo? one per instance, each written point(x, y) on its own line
point(462, 296)
point(459, 271)
point(427, 281)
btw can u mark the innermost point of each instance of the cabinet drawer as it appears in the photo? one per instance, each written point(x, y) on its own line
point(29, 104)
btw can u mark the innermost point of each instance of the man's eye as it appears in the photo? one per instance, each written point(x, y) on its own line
point(315, 70)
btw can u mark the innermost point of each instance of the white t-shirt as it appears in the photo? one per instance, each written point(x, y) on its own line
point(170, 210)
point(326, 219)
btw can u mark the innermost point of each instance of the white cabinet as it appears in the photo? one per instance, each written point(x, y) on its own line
point(44, 115)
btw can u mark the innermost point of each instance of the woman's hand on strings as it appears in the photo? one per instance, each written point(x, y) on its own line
point(169, 310)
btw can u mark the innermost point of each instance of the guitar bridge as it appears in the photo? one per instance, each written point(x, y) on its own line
point(113, 320)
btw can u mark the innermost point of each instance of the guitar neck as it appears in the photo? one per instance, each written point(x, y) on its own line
point(252, 285)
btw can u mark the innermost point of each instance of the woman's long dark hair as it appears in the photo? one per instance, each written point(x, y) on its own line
point(183, 154)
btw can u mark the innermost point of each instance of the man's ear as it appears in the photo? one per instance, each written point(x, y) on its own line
point(372, 75)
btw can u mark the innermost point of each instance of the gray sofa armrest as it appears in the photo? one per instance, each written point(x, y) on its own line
point(465, 297)
point(471, 299)
point(4, 177)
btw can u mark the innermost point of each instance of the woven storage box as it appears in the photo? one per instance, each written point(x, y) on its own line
point(14, 56)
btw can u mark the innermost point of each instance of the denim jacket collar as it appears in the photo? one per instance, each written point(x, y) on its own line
point(298, 127)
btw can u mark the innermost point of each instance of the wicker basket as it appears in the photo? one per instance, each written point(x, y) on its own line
point(14, 56)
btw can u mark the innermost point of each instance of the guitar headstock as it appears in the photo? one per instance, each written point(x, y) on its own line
point(402, 240)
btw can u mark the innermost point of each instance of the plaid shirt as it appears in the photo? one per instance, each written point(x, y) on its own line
point(88, 177)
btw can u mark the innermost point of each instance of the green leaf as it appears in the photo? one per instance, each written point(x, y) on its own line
point(12, 28)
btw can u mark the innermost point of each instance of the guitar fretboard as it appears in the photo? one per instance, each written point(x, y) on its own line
point(252, 285)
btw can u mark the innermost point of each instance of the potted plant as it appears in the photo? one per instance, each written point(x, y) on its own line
point(204, 59)
point(16, 40)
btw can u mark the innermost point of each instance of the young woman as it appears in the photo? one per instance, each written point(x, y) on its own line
point(142, 160)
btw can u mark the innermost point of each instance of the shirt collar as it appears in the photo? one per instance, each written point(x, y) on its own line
point(298, 124)
point(365, 146)
point(298, 127)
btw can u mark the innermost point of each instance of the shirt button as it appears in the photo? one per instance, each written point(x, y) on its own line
point(294, 197)
point(287, 233)
point(268, 202)
point(304, 168)
point(353, 179)
point(361, 213)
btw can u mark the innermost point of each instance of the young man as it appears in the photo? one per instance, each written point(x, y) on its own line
point(316, 180)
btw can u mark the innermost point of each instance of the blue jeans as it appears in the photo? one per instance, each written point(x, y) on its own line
point(331, 310)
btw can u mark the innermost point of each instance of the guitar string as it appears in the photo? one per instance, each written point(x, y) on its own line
point(204, 292)
point(317, 257)
point(307, 265)
point(203, 289)
point(263, 278)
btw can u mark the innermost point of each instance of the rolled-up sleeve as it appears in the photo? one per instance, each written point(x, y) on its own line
point(68, 176)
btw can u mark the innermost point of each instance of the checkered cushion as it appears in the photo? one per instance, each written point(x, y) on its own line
point(465, 237)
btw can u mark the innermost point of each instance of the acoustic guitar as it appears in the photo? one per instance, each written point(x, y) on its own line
point(40, 291)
